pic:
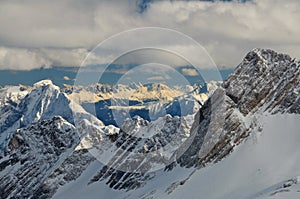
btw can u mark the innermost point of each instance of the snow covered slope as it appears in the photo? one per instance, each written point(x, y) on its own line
point(242, 144)
point(43, 102)
point(221, 158)
point(32, 153)
point(37, 152)
point(12, 94)
point(265, 81)
point(266, 165)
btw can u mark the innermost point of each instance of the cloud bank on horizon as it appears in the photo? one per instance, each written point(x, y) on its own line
point(38, 34)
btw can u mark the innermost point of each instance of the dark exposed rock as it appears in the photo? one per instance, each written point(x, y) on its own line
point(42, 157)
point(264, 81)
point(32, 154)
point(130, 166)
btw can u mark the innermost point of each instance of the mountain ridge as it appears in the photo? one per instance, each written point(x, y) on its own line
point(252, 85)
point(265, 83)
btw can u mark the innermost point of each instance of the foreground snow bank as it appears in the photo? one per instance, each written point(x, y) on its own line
point(265, 165)
point(259, 168)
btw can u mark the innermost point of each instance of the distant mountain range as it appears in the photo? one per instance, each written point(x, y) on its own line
point(66, 75)
point(240, 142)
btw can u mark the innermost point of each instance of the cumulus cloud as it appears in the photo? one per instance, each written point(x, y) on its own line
point(15, 58)
point(27, 59)
point(189, 72)
point(43, 34)
point(157, 78)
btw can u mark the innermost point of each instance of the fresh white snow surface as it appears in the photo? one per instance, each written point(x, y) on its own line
point(265, 165)
point(267, 158)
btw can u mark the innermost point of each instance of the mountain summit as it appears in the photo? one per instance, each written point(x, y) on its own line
point(226, 150)
point(265, 81)
point(43, 102)
point(265, 78)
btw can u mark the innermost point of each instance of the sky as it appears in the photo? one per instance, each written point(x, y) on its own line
point(48, 33)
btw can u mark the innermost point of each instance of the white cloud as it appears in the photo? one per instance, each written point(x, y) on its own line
point(156, 78)
point(15, 58)
point(43, 33)
point(27, 59)
point(189, 72)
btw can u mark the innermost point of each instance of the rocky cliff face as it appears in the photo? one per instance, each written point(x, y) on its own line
point(141, 148)
point(32, 154)
point(43, 102)
point(48, 152)
point(265, 81)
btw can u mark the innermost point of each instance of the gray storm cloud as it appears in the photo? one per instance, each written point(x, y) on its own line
point(45, 33)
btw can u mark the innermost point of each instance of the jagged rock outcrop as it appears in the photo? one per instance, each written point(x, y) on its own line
point(267, 80)
point(264, 81)
point(48, 152)
point(32, 154)
point(140, 148)
point(43, 102)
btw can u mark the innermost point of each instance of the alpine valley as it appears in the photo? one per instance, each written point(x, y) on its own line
point(237, 139)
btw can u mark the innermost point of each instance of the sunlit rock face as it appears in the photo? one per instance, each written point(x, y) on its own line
point(45, 149)
point(265, 81)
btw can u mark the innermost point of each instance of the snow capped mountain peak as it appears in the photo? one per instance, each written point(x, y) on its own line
point(74, 155)
point(42, 98)
point(34, 152)
point(43, 102)
point(267, 55)
point(44, 83)
point(265, 81)
point(265, 77)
